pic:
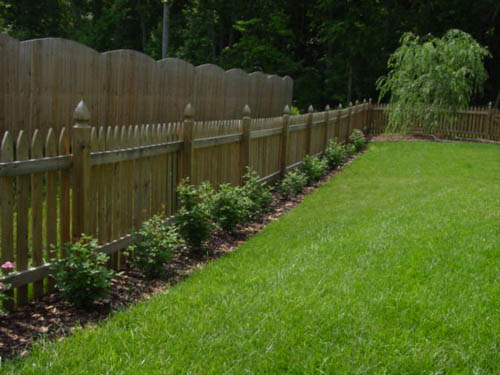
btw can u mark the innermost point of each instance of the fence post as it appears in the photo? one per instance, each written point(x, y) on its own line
point(284, 140)
point(309, 122)
point(490, 120)
point(327, 127)
point(188, 151)
point(81, 169)
point(245, 141)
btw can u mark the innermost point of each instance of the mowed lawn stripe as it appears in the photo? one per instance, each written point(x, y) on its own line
point(392, 267)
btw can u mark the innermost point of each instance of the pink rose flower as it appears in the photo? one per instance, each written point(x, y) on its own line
point(1, 286)
point(8, 266)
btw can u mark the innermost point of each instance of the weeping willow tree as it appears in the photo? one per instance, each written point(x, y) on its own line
point(432, 78)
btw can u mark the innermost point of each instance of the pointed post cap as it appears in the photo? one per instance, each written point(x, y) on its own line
point(310, 109)
point(370, 100)
point(247, 111)
point(364, 101)
point(81, 115)
point(327, 108)
point(357, 101)
point(490, 104)
point(350, 104)
point(189, 112)
point(340, 105)
point(286, 110)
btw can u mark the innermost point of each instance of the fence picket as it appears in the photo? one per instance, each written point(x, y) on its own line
point(64, 195)
point(22, 200)
point(7, 210)
point(51, 209)
point(36, 211)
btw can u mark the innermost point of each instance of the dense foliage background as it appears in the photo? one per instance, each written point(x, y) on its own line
point(334, 49)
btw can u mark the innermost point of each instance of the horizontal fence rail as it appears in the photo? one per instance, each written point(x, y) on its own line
point(106, 181)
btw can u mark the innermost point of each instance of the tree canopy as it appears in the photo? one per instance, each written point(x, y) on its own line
point(430, 77)
point(334, 49)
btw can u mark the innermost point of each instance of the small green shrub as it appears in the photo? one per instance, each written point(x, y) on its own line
point(259, 194)
point(350, 149)
point(4, 288)
point(314, 168)
point(82, 277)
point(3, 294)
point(335, 154)
point(294, 111)
point(357, 139)
point(194, 218)
point(155, 243)
point(230, 207)
point(292, 184)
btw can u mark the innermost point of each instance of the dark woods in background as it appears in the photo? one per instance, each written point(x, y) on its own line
point(334, 49)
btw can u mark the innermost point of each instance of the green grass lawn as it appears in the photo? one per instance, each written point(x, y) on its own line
point(393, 267)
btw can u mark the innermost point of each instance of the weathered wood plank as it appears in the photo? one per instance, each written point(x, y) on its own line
point(134, 153)
point(7, 210)
point(217, 141)
point(23, 201)
point(27, 167)
point(265, 133)
point(36, 211)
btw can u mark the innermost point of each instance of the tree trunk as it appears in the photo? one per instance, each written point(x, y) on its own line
point(497, 100)
point(349, 83)
point(143, 30)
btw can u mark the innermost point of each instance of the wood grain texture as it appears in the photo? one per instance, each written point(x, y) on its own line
point(22, 222)
point(42, 80)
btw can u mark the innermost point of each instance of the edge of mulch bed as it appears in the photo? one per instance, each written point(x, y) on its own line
point(411, 136)
point(51, 318)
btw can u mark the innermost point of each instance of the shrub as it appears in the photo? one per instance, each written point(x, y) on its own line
point(314, 168)
point(292, 184)
point(350, 149)
point(82, 276)
point(357, 139)
point(155, 243)
point(259, 194)
point(230, 207)
point(335, 154)
point(194, 217)
point(6, 268)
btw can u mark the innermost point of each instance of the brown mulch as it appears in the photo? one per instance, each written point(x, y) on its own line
point(424, 137)
point(52, 318)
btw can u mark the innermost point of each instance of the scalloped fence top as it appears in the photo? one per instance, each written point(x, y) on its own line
point(42, 81)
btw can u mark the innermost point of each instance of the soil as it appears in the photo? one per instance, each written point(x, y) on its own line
point(51, 318)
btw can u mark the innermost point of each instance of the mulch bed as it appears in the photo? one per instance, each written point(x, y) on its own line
point(424, 137)
point(52, 318)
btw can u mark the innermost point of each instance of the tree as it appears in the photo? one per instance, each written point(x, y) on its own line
point(432, 77)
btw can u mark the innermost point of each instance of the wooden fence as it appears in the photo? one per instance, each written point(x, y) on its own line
point(475, 122)
point(42, 80)
point(104, 181)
